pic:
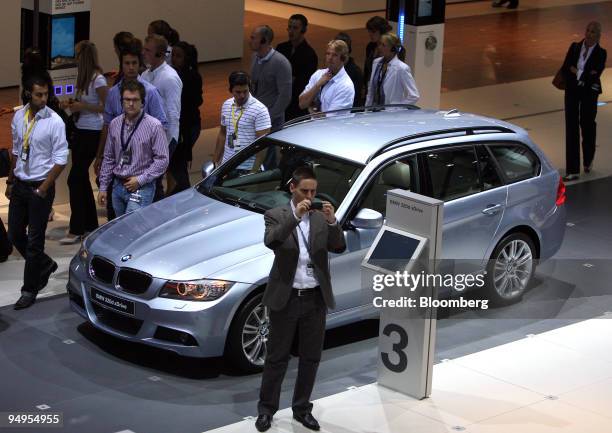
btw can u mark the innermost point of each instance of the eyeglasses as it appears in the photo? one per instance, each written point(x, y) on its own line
point(130, 101)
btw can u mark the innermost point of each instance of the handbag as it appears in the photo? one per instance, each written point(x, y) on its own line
point(559, 80)
point(5, 163)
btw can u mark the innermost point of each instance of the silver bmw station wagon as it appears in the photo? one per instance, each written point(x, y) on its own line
point(187, 273)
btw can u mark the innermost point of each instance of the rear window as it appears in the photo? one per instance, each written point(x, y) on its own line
point(516, 161)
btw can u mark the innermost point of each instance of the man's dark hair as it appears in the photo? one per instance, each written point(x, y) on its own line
point(302, 19)
point(36, 80)
point(301, 173)
point(342, 36)
point(134, 86)
point(239, 78)
point(173, 37)
point(378, 24)
point(122, 40)
point(160, 27)
point(191, 54)
point(133, 48)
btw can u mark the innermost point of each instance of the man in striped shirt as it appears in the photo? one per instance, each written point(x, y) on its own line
point(243, 120)
point(135, 154)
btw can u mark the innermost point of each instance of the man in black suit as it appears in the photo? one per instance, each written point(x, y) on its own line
point(582, 68)
point(298, 294)
point(303, 59)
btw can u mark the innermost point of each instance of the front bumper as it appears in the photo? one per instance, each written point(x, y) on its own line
point(197, 329)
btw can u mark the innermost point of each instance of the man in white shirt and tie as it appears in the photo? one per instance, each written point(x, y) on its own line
point(40, 153)
point(330, 88)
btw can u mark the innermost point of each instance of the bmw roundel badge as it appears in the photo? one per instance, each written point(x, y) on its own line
point(126, 257)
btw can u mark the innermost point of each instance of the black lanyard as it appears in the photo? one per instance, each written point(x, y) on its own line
point(124, 145)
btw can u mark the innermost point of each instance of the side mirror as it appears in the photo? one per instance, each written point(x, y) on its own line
point(368, 219)
point(207, 169)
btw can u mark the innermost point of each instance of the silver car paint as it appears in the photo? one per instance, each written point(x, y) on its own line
point(191, 236)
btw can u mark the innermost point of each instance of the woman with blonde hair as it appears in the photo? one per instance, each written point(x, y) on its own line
point(87, 109)
point(391, 81)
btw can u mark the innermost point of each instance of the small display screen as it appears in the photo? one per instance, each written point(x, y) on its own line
point(393, 251)
point(425, 8)
point(62, 36)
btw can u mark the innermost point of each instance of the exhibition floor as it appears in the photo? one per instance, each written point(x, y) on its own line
point(49, 356)
point(559, 380)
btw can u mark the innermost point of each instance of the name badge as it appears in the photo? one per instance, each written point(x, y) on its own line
point(24, 154)
point(231, 140)
point(310, 270)
point(135, 197)
point(126, 157)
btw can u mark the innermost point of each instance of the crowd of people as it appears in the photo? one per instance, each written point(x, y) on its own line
point(138, 125)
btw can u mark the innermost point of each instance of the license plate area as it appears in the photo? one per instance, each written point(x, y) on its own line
point(112, 302)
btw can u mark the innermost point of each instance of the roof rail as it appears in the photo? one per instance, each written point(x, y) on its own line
point(469, 130)
point(373, 108)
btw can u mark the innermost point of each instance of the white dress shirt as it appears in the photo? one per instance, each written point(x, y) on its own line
point(582, 59)
point(170, 86)
point(302, 280)
point(398, 85)
point(337, 93)
point(48, 145)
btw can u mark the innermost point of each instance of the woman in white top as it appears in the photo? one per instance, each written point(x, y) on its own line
point(88, 107)
point(391, 81)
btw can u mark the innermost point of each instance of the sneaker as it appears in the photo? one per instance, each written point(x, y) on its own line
point(70, 239)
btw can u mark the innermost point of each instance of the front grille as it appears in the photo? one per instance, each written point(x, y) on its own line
point(102, 270)
point(133, 281)
point(120, 322)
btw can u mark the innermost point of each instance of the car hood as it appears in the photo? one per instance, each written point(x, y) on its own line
point(186, 236)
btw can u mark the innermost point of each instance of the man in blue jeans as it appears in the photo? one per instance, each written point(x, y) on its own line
point(135, 153)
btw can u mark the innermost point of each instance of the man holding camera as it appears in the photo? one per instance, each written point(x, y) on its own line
point(298, 294)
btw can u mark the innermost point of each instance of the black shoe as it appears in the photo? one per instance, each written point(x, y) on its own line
point(588, 168)
point(46, 273)
point(307, 421)
point(570, 177)
point(4, 258)
point(513, 5)
point(26, 300)
point(498, 3)
point(264, 422)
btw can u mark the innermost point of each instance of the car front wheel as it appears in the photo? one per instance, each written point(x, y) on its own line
point(248, 337)
point(510, 269)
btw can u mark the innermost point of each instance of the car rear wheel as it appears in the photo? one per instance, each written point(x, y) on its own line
point(510, 269)
point(248, 337)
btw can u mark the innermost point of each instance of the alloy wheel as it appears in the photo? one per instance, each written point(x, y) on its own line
point(513, 268)
point(255, 335)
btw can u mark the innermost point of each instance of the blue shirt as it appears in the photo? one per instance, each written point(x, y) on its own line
point(153, 104)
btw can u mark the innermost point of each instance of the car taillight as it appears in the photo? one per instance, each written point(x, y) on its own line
point(560, 193)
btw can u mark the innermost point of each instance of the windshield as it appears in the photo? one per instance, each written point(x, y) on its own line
point(257, 178)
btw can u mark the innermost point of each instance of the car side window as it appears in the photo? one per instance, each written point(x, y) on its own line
point(517, 161)
point(399, 174)
point(488, 170)
point(453, 173)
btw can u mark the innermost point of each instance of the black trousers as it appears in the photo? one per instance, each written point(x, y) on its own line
point(5, 245)
point(159, 182)
point(28, 217)
point(305, 315)
point(178, 167)
point(83, 213)
point(580, 113)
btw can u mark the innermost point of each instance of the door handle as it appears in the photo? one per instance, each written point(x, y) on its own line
point(492, 209)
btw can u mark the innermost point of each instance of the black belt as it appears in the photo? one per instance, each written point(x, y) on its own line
point(30, 183)
point(304, 292)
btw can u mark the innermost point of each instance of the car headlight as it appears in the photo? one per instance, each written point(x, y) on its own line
point(83, 253)
point(195, 290)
